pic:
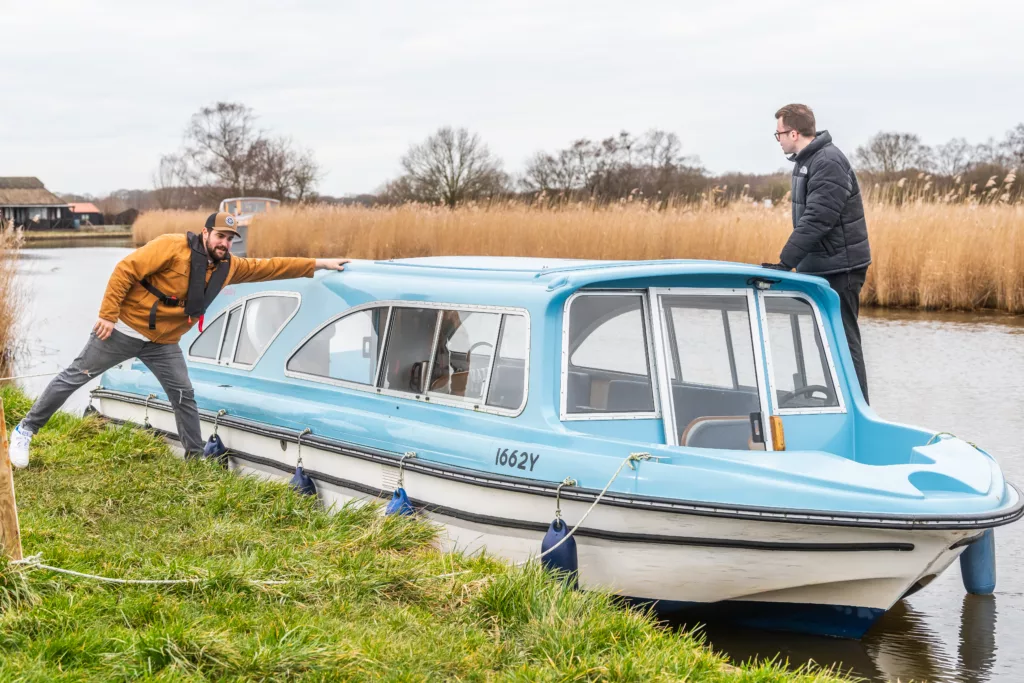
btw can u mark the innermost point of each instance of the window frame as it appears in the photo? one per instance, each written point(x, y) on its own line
point(664, 355)
point(422, 397)
point(241, 303)
point(829, 358)
point(652, 366)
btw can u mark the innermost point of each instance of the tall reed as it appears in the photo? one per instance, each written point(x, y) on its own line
point(10, 299)
point(925, 254)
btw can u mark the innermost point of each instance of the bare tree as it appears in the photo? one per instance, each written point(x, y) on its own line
point(306, 173)
point(449, 167)
point(954, 157)
point(1013, 146)
point(224, 153)
point(166, 182)
point(893, 153)
point(618, 166)
point(222, 148)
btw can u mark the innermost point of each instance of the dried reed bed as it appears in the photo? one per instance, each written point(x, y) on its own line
point(10, 298)
point(155, 223)
point(926, 255)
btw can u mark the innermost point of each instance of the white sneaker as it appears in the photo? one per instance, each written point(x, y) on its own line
point(21, 439)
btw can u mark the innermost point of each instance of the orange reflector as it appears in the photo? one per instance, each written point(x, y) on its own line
point(778, 434)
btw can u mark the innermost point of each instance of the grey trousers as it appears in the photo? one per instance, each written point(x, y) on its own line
point(165, 361)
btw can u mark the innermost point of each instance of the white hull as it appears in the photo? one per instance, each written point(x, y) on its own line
point(649, 554)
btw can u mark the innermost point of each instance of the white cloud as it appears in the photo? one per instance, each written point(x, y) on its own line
point(93, 93)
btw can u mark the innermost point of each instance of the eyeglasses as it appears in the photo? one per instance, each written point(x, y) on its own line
point(780, 133)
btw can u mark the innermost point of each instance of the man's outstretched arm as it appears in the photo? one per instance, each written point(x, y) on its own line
point(281, 268)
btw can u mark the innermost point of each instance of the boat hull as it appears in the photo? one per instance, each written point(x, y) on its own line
point(778, 573)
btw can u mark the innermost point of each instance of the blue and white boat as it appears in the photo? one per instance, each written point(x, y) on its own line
point(773, 493)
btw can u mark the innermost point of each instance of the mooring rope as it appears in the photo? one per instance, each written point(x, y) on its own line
point(35, 562)
point(41, 374)
point(633, 457)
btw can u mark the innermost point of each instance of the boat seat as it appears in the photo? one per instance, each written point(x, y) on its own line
point(506, 390)
point(629, 396)
point(730, 432)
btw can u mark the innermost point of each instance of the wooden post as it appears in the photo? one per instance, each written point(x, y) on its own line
point(10, 534)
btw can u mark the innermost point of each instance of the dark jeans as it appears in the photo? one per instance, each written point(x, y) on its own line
point(165, 361)
point(848, 286)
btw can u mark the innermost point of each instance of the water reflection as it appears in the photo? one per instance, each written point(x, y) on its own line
point(901, 646)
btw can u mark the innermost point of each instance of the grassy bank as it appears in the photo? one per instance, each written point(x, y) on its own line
point(362, 605)
point(926, 255)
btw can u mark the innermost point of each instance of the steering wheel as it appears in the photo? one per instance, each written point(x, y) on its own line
point(809, 389)
point(469, 354)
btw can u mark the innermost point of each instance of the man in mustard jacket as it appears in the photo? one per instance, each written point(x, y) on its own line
point(154, 296)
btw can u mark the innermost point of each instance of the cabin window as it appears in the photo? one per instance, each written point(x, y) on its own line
point(207, 344)
point(801, 377)
point(242, 334)
point(346, 349)
point(608, 367)
point(264, 317)
point(508, 376)
point(462, 359)
point(711, 368)
point(228, 347)
point(410, 341)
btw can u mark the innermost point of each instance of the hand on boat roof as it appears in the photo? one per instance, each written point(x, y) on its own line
point(331, 263)
point(775, 266)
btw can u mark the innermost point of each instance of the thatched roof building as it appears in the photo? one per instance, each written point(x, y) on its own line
point(25, 202)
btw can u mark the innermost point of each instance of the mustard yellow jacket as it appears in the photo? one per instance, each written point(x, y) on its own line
point(165, 263)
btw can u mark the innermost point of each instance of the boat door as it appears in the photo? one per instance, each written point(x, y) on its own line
point(803, 385)
point(710, 366)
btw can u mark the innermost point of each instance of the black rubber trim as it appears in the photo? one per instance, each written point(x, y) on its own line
point(540, 527)
point(541, 488)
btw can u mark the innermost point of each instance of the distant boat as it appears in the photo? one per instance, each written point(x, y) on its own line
point(773, 493)
point(244, 208)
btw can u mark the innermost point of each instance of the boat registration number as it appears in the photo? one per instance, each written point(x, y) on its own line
point(517, 460)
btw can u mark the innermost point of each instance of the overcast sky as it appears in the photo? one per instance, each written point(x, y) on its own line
point(93, 92)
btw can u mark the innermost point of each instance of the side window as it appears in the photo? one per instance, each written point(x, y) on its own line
point(800, 372)
point(346, 349)
point(508, 376)
point(714, 384)
point(227, 349)
point(409, 343)
point(263, 319)
point(608, 367)
point(207, 344)
point(465, 347)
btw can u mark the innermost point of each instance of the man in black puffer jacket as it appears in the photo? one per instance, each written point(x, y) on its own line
point(830, 235)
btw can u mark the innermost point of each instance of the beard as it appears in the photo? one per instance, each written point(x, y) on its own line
point(215, 254)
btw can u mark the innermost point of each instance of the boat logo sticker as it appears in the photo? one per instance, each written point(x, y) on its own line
point(517, 460)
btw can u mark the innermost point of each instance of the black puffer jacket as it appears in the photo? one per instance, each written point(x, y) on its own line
point(830, 234)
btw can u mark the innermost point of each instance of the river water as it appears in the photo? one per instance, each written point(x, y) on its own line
point(950, 372)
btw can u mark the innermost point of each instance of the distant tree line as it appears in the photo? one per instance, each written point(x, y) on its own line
point(454, 165)
point(224, 154)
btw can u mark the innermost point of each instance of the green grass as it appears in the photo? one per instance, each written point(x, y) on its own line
point(362, 605)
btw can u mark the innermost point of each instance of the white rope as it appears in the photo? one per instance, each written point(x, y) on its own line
point(35, 561)
point(41, 374)
point(633, 457)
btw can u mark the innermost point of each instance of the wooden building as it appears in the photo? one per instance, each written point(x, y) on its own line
point(26, 203)
point(85, 214)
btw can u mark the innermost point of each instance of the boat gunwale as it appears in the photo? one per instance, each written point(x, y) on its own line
point(931, 521)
